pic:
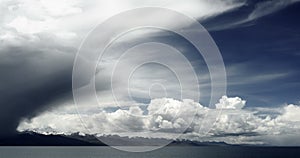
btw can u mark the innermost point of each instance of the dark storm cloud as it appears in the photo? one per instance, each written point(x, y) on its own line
point(36, 70)
point(33, 74)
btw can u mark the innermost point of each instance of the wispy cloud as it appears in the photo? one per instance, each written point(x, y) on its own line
point(261, 9)
point(268, 7)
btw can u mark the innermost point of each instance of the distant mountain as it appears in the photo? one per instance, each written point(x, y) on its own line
point(35, 139)
point(116, 140)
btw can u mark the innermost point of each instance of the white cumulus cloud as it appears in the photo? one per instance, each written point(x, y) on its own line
point(230, 103)
point(166, 117)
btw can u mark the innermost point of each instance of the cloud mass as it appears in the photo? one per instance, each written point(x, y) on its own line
point(166, 117)
point(39, 39)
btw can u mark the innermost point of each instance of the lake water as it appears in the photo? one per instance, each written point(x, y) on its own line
point(167, 152)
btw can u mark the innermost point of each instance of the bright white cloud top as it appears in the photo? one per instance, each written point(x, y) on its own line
point(234, 124)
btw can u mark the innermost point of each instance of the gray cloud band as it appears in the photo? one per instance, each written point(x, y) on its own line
point(103, 35)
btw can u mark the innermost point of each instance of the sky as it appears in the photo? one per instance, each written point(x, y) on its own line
point(257, 40)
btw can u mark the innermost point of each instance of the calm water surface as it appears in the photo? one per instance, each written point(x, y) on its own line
point(167, 152)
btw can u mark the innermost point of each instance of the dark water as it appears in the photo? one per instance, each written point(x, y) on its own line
point(167, 152)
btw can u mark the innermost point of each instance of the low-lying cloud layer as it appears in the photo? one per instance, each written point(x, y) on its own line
point(229, 122)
